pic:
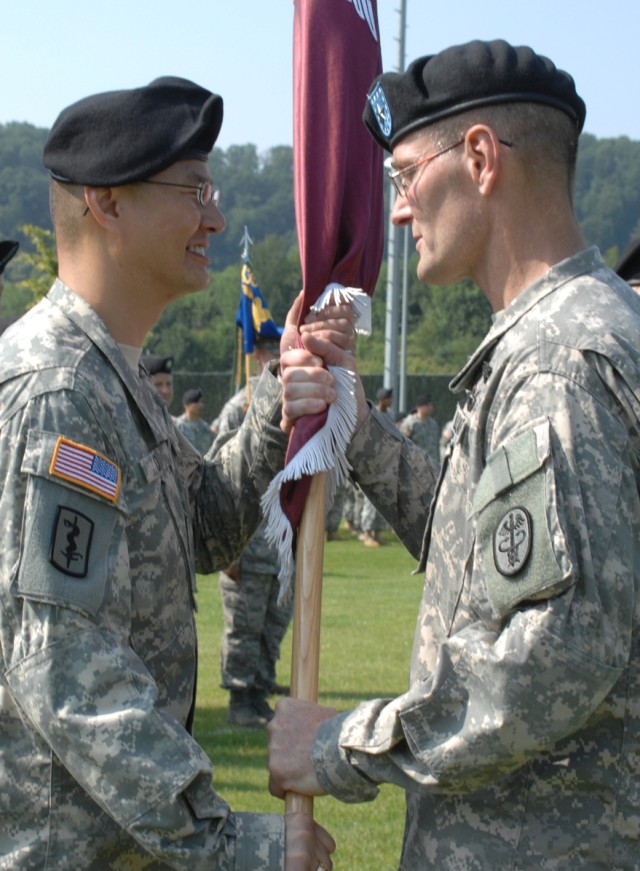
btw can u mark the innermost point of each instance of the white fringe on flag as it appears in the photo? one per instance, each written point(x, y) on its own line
point(326, 449)
point(360, 304)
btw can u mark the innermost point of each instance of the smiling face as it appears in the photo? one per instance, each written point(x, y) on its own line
point(168, 230)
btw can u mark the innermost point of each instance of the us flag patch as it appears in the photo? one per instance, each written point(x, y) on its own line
point(86, 468)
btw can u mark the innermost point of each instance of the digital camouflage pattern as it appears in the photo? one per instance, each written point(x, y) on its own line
point(518, 741)
point(370, 518)
point(254, 627)
point(197, 431)
point(425, 432)
point(97, 769)
point(254, 622)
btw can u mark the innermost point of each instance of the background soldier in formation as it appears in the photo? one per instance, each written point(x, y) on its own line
point(191, 423)
point(254, 622)
point(422, 428)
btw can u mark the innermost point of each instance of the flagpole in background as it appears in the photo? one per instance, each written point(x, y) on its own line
point(404, 316)
point(245, 242)
point(253, 317)
point(394, 235)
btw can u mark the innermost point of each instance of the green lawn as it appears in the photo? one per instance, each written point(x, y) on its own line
point(369, 606)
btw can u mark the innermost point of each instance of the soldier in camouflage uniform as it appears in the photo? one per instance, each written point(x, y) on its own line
point(421, 428)
point(254, 622)
point(628, 266)
point(191, 424)
point(107, 510)
point(161, 371)
point(8, 250)
point(518, 740)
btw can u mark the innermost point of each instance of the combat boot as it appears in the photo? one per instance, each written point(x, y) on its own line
point(242, 712)
point(260, 704)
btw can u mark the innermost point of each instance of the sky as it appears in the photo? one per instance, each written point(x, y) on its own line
point(56, 52)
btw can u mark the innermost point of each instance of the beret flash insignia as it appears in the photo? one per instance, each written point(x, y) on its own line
point(381, 110)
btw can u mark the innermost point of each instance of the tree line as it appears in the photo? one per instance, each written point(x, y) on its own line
point(444, 324)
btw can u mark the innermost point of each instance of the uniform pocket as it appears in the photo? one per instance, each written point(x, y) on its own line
point(68, 547)
point(521, 544)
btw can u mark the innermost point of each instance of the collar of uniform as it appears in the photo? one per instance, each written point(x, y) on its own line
point(580, 264)
point(86, 318)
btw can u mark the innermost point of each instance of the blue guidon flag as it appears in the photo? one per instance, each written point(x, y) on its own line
point(253, 315)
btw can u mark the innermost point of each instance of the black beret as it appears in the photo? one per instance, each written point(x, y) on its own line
point(423, 399)
point(464, 77)
point(154, 364)
point(384, 393)
point(8, 250)
point(628, 267)
point(192, 395)
point(120, 137)
point(267, 343)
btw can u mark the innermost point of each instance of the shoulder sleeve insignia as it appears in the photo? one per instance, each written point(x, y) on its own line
point(85, 467)
point(512, 541)
point(71, 542)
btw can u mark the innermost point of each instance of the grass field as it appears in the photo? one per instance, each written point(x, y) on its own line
point(369, 606)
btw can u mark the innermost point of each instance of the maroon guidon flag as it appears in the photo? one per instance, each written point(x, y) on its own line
point(338, 187)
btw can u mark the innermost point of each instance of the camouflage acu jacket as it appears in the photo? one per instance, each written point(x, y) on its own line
point(104, 510)
point(260, 556)
point(197, 431)
point(518, 741)
point(425, 433)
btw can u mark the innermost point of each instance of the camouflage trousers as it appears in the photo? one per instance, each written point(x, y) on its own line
point(370, 519)
point(254, 626)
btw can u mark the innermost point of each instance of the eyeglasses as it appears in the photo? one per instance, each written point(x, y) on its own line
point(205, 192)
point(401, 178)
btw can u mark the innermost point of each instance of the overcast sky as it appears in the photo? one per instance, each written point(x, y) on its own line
point(55, 52)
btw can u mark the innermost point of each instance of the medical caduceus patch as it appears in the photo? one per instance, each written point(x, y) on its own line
point(71, 542)
point(512, 541)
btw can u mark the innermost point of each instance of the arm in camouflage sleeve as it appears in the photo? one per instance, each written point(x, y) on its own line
point(528, 659)
point(234, 476)
point(395, 475)
point(231, 416)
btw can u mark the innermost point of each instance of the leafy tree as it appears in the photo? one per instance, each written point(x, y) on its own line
point(606, 191)
point(42, 262)
point(24, 182)
point(444, 324)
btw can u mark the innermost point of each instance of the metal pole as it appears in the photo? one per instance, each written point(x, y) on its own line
point(402, 406)
point(393, 260)
point(391, 314)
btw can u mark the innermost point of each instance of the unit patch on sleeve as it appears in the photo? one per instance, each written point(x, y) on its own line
point(522, 553)
point(512, 541)
point(71, 542)
point(85, 467)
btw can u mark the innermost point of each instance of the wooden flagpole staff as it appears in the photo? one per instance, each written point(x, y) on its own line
point(305, 657)
point(339, 211)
